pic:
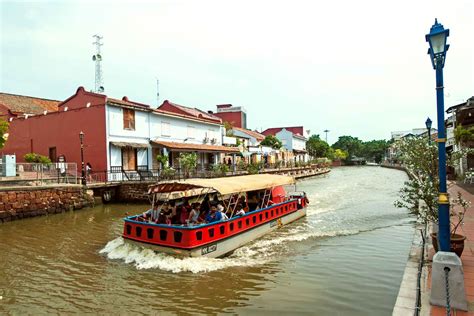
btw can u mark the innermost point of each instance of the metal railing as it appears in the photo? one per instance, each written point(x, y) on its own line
point(118, 174)
point(33, 174)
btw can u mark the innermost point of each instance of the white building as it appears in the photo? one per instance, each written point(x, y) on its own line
point(136, 134)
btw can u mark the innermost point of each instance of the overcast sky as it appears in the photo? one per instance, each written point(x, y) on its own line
point(356, 68)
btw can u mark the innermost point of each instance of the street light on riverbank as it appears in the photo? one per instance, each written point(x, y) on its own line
point(83, 173)
point(437, 51)
point(428, 127)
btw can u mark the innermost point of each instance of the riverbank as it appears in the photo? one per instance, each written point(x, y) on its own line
point(23, 202)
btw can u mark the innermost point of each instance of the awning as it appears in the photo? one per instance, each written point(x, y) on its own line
point(195, 147)
point(126, 144)
point(297, 151)
point(226, 185)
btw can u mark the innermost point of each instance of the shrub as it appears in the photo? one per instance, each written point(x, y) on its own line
point(36, 158)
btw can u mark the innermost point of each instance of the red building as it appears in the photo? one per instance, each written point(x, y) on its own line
point(235, 115)
point(298, 130)
point(120, 135)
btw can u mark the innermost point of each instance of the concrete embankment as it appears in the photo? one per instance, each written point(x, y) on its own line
point(23, 202)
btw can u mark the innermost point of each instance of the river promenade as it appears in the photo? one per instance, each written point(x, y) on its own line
point(467, 257)
point(407, 296)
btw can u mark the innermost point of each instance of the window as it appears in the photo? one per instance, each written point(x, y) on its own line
point(199, 235)
point(128, 119)
point(211, 232)
point(231, 226)
point(129, 229)
point(239, 224)
point(149, 233)
point(222, 229)
point(191, 131)
point(178, 236)
point(138, 231)
point(163, 234)
point(165, 129)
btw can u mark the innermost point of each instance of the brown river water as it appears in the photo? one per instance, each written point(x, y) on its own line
point(345, 258)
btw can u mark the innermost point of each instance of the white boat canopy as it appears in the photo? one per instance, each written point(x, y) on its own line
point(226, 185)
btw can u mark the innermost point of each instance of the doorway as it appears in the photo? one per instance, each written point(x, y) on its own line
point(129, 158)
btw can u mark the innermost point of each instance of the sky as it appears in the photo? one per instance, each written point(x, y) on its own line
point(356, 68)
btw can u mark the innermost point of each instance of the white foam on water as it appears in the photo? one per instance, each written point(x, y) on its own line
point(143, 258)
point(259, 252)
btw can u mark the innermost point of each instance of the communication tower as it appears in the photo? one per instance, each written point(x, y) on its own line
point(97, 58)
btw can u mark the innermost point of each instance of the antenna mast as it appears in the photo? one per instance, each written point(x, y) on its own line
point(97, 58)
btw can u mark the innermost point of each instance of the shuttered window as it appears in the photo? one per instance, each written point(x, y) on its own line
point(128, 119)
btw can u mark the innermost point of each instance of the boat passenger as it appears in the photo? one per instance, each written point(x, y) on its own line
point(194, 214)
point(184, 215)
point(220, 209)
point(239, 210)
point(214, 215)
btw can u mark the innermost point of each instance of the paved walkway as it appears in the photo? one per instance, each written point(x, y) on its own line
point(467, 257)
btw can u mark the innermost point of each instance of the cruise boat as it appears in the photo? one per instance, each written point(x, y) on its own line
point(272, 209)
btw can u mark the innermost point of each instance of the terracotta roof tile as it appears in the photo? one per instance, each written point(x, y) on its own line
point(26, 104)
point(192, 112)
point(254, 134)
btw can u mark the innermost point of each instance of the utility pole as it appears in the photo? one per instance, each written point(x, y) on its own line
point(97, 58)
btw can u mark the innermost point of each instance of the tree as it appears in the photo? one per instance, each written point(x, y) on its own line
point(374, 150)
point(317, 147)
point(271, 141)
point(188, 161)
point(3, 133)
point(229, 129)
point(340, 154)
point(349, 144)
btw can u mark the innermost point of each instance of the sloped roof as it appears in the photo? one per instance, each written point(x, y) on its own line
point(298, 130)
point(253, 134)
point(195, 113)
point(125, 101)
point(25, 104)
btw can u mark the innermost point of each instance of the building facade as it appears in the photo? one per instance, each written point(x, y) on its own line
point(120, 136)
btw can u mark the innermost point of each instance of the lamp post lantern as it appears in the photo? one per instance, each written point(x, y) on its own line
point(428, 127)
point(437, 51)
point(83, 173)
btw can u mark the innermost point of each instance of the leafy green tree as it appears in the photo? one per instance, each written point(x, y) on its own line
point(340, 154)
point(317, 147)
point(271, 141)
point(349, 144)
point(3, 133)
point(36, 158)
point(188, 161)
point(374, 150)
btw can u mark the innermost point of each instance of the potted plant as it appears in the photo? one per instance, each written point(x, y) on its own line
point(456, 240)
point(420, 193)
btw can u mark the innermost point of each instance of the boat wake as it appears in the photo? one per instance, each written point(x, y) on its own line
point(259, 252)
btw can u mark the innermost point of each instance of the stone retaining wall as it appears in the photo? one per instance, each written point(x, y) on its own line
point(135, 192)
point(23, 202)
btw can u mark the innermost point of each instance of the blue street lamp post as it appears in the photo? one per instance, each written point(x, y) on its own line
point(428, 127)
point(437, 51)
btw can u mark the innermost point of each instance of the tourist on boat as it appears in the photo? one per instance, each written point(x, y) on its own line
point(220, 209)
point(239, 211)
point(184, 215)
point(214, 215)
point(193, 218)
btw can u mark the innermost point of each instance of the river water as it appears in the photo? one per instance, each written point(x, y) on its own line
point(345, 258)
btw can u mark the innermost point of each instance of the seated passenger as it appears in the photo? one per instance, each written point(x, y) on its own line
point(214, 215)
point(239, 210)
point(184, 215)
point(220, 209)
point(193, 218)
point(162, 219)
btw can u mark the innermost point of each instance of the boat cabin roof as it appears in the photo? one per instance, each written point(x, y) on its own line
point(226, 185)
